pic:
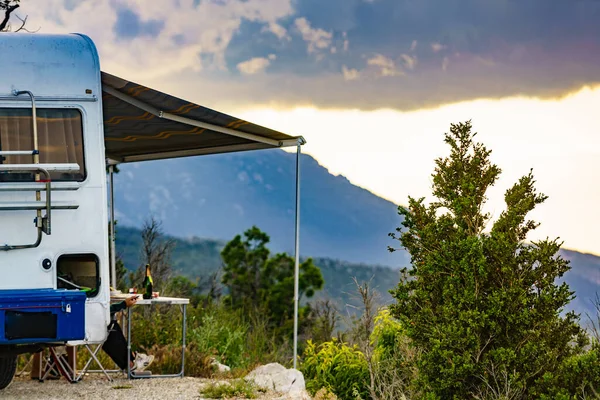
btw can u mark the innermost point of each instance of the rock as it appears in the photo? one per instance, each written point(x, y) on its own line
point(277, 378)
point(219, 367)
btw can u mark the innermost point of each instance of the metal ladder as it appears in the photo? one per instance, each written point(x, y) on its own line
point(41, 222)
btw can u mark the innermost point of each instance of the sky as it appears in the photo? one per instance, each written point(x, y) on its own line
point(374, 84)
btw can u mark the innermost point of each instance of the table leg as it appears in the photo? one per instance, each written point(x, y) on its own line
point(129, 343)
point(183, 329)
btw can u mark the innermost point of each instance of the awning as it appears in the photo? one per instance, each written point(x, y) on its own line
point(142, 124)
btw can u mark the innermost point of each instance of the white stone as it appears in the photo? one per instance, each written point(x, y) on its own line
point(275, 377)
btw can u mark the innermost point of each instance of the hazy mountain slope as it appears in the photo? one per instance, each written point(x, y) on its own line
point(584, 279)
point(223, 195)
point(198, 258)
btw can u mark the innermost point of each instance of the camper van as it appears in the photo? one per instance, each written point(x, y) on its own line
point(63, 124)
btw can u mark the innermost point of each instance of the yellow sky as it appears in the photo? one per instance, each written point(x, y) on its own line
point(391, 153)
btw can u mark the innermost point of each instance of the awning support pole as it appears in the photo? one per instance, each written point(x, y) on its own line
point(297, 247)
point(113, 256)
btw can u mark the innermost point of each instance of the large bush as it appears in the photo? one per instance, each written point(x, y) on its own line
point(479, 301)
point(338, 367)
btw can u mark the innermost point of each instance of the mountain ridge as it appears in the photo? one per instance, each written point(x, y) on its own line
point(198, 259)
point(218, 196)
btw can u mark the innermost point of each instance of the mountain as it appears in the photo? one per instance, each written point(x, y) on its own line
point(219, 196)
point(584, 279)
point(198, 258)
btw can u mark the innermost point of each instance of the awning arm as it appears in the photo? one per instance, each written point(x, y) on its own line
point(192, 122)
point(192, 152)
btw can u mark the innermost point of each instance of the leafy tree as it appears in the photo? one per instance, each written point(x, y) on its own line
point(205, 291)
point(257, 280)
point(481, 303)
point(180, 286)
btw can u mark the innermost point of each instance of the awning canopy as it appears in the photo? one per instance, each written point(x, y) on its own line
point(142, 124)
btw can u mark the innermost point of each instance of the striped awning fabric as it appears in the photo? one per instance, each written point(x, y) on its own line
point(142, 124)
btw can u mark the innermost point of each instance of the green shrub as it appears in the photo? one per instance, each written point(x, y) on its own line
point(577, 377)
point(387, 331)
point(221, 332)
point(238, 388)
point(154, 325)
point(339, 368)
point(324, 394)
point(393, 360)
point(480, 298)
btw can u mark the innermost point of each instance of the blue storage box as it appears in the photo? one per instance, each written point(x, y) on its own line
point(41, 315)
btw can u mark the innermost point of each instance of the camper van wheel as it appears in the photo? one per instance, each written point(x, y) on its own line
point(8, 366)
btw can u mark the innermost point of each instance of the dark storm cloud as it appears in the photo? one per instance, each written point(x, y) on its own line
point(410, 54)
point(129, 25)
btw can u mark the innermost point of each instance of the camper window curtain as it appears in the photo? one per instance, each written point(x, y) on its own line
point(60, 140)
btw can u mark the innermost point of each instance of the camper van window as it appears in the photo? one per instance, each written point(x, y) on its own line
point(60, 140)
point(78, 272)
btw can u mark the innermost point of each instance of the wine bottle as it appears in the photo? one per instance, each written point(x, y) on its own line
point(147, 283)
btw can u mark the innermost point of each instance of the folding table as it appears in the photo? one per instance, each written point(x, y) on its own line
point(148, 302)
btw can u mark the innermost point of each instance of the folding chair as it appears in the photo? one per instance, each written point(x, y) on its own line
point(27, 365)
point(94, 358)
point(56, 362)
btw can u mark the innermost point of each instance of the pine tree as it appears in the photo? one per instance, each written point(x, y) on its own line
point(482, 305)
point(257, 280)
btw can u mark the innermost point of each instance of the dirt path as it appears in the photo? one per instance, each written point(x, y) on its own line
point(147, 389)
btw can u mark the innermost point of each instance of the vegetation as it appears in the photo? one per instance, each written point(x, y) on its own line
point(198, 262)
point(337, 367)
point(480, 315)
point(255, 280)
point(238, 388)
point(482, 307)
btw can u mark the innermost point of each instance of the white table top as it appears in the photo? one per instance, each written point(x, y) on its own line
point(156, 300)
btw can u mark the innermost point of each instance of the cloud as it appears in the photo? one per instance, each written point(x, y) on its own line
point(350, 74)
point(277, 30)
point(384, 65)
point(163, 37)
point(255, 65)
point(431, 52)
point(129, 25)
point(437, 47)
point(445, 63)
point(409, 62)
point(315, 38)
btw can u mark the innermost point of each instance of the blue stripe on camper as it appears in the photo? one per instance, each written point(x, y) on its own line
point(41, 315)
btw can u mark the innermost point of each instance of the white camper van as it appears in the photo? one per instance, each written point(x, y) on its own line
point(62, 121)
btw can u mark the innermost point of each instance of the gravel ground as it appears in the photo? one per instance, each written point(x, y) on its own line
point(93, 388)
